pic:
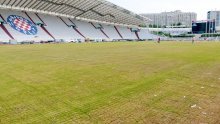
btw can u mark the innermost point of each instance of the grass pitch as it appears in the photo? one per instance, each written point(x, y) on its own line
point(110, 83)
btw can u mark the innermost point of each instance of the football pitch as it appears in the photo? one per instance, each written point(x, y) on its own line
point(121, 82)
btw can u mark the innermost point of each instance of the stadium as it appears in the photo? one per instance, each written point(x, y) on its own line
point(79, 62)
point(69, 21)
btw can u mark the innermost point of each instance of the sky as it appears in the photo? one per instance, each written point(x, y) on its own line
point(201, 7)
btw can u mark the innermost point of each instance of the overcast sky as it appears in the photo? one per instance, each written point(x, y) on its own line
point(153, 6)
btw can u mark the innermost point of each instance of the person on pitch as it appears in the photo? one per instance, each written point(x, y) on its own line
point(193, 40)
point(158, 40)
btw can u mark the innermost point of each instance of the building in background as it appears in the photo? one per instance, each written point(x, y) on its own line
point(174, 18)
point(203, 26)
point(214, 15)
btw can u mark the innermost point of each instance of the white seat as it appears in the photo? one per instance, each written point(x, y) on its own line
point(111, 32)
point(41, 35)
point(145, 34)
point(59, 29)
point(126, 33)
point(89, 31)
point(4, 37)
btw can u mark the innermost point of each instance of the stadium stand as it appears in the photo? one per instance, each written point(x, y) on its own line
point(126, 33)
point(145, 34)
point(72, 20)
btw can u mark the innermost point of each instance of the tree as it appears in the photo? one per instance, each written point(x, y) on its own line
point(154, 26)
point(179, 24)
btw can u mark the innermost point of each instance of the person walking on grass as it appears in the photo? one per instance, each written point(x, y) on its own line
point(193, 40)
point(158, 40)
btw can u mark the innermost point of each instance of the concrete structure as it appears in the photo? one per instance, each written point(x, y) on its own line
point(203, 26)
point(65, 21)
point(172, 18)
point(172, 31)
point(24, 26)
point(214, 15)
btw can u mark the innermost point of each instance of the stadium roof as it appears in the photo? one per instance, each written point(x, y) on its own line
point(100, 11)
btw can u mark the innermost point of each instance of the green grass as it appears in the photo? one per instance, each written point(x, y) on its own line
point(132, 82)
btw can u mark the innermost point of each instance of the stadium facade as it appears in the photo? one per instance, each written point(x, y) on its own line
point(203, 26)
point(172, 18)
point(214, 15)
point(68, 20)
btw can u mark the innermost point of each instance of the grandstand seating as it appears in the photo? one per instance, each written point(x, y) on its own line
point(63, 28)
point(145, 34)
point(126, 33)
point(41, 35)
point(58, 29)
point(89, 31)
point(3, 36)
point(111, 32)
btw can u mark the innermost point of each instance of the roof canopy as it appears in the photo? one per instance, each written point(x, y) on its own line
point(88, 10)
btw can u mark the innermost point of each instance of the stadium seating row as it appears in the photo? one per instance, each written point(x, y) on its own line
point(17, 25)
